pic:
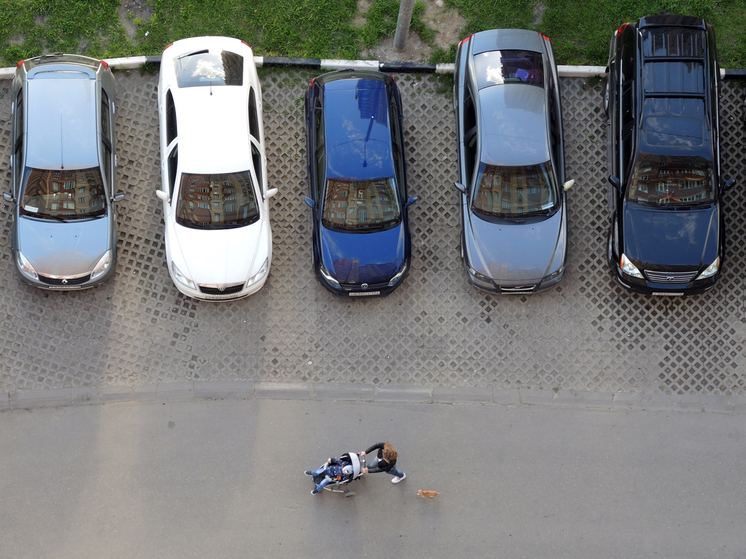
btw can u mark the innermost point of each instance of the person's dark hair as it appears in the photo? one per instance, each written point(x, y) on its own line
point(389, 454)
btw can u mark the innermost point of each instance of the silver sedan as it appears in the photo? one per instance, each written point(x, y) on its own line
point(64, 166)
point(511, 161)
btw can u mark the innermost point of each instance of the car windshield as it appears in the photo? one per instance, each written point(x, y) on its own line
point(63, 195)
point(204, 68)
point(507, 191)
point(671, 181)
point(360, 205)
point(217, 201)
point(500, 67)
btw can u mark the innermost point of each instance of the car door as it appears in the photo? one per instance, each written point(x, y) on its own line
point(258, 156)
point(169, 163)
point(17, 159)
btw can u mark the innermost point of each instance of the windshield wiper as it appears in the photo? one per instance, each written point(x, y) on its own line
point(48, 216)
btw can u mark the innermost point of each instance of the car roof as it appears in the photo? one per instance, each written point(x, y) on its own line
point(357, 135)
point(62, 128)
point(513, 121)
point(213, 128)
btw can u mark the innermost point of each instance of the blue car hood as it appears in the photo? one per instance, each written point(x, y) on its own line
point(516, 252)
point(355, 258)
point(63, 249)
point(671, 238)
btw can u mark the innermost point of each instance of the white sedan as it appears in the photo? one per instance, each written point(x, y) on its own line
point(214, 169)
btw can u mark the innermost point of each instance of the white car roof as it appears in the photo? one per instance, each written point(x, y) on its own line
point(213, 121)
point(213, 129)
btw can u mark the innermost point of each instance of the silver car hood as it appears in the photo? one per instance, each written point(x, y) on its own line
point(63, 249)
point(515, 252)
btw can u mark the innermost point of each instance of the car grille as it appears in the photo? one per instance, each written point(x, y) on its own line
point(517, 289)
point(49, 280)
point(221, 289)
point(358, 286)
point(670, 277)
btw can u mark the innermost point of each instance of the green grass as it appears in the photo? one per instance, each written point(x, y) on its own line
point(580, 29)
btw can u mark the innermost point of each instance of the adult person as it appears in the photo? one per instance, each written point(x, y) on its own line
point(384, 462)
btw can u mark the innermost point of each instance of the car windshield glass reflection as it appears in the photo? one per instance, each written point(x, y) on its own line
point(217, 201)
point(360, 205)
point(63, 195)
point(205, 68)
point(671, 181)
point(500, 67)
point(506, 191)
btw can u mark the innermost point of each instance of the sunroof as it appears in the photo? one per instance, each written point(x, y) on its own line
point(674, 131)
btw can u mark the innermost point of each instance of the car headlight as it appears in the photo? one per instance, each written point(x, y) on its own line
point(327, 276)
point(553, 275)
point(181, 278)
point(25, 266)
point(399, 275)
point(476, 275)
point(102, 266)
point(259, 275)
point(711, 270)
point(629, 268)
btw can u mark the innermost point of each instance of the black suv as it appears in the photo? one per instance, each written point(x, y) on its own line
point(661, 99)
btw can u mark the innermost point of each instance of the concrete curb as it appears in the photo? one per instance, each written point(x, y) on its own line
point(411, 394)
point(462, 395)
point(565, 71)
point(440, 395)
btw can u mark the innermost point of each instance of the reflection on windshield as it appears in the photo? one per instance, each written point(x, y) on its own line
point(63, 195)
point(219, 201)
point(500, 67)
point(205, 68)
point(506, 191)
point(360, 205)
point(671, 181)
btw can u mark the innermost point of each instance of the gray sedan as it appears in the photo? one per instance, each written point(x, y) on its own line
point(64, 166)
point(511, 161)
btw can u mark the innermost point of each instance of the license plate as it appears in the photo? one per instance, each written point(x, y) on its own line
point(668, 293)
point(364, 293)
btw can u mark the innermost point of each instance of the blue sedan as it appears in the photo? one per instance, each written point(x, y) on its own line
point(358, 187)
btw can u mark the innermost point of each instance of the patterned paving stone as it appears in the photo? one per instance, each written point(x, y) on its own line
point(435, 331)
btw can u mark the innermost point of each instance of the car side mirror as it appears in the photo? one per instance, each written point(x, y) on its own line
point(162, 195)
point(271, 192)
point(569, 184)
point(118, 197)
point(728, 185)
point(8, 197)
point(311, 203)
point(615, 182)
point(411, 201)
point(460, 187)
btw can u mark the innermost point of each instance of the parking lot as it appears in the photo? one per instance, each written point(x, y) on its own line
point(435, 330)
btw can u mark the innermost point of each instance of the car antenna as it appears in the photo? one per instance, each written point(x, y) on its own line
point(210, 87)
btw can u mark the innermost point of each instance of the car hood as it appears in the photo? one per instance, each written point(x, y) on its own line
point(63, 249)
point(219, 256)
point(355, 258)
point(671, 238)
point(515, 252)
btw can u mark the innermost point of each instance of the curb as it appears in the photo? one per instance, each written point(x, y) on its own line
point(565, 71)
point(331, 392)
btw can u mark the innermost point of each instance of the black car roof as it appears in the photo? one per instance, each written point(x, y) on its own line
point(674, 86)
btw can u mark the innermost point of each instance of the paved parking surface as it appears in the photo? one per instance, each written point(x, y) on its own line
point(588, 334)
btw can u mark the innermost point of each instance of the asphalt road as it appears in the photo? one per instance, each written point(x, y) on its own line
point(224, 479)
